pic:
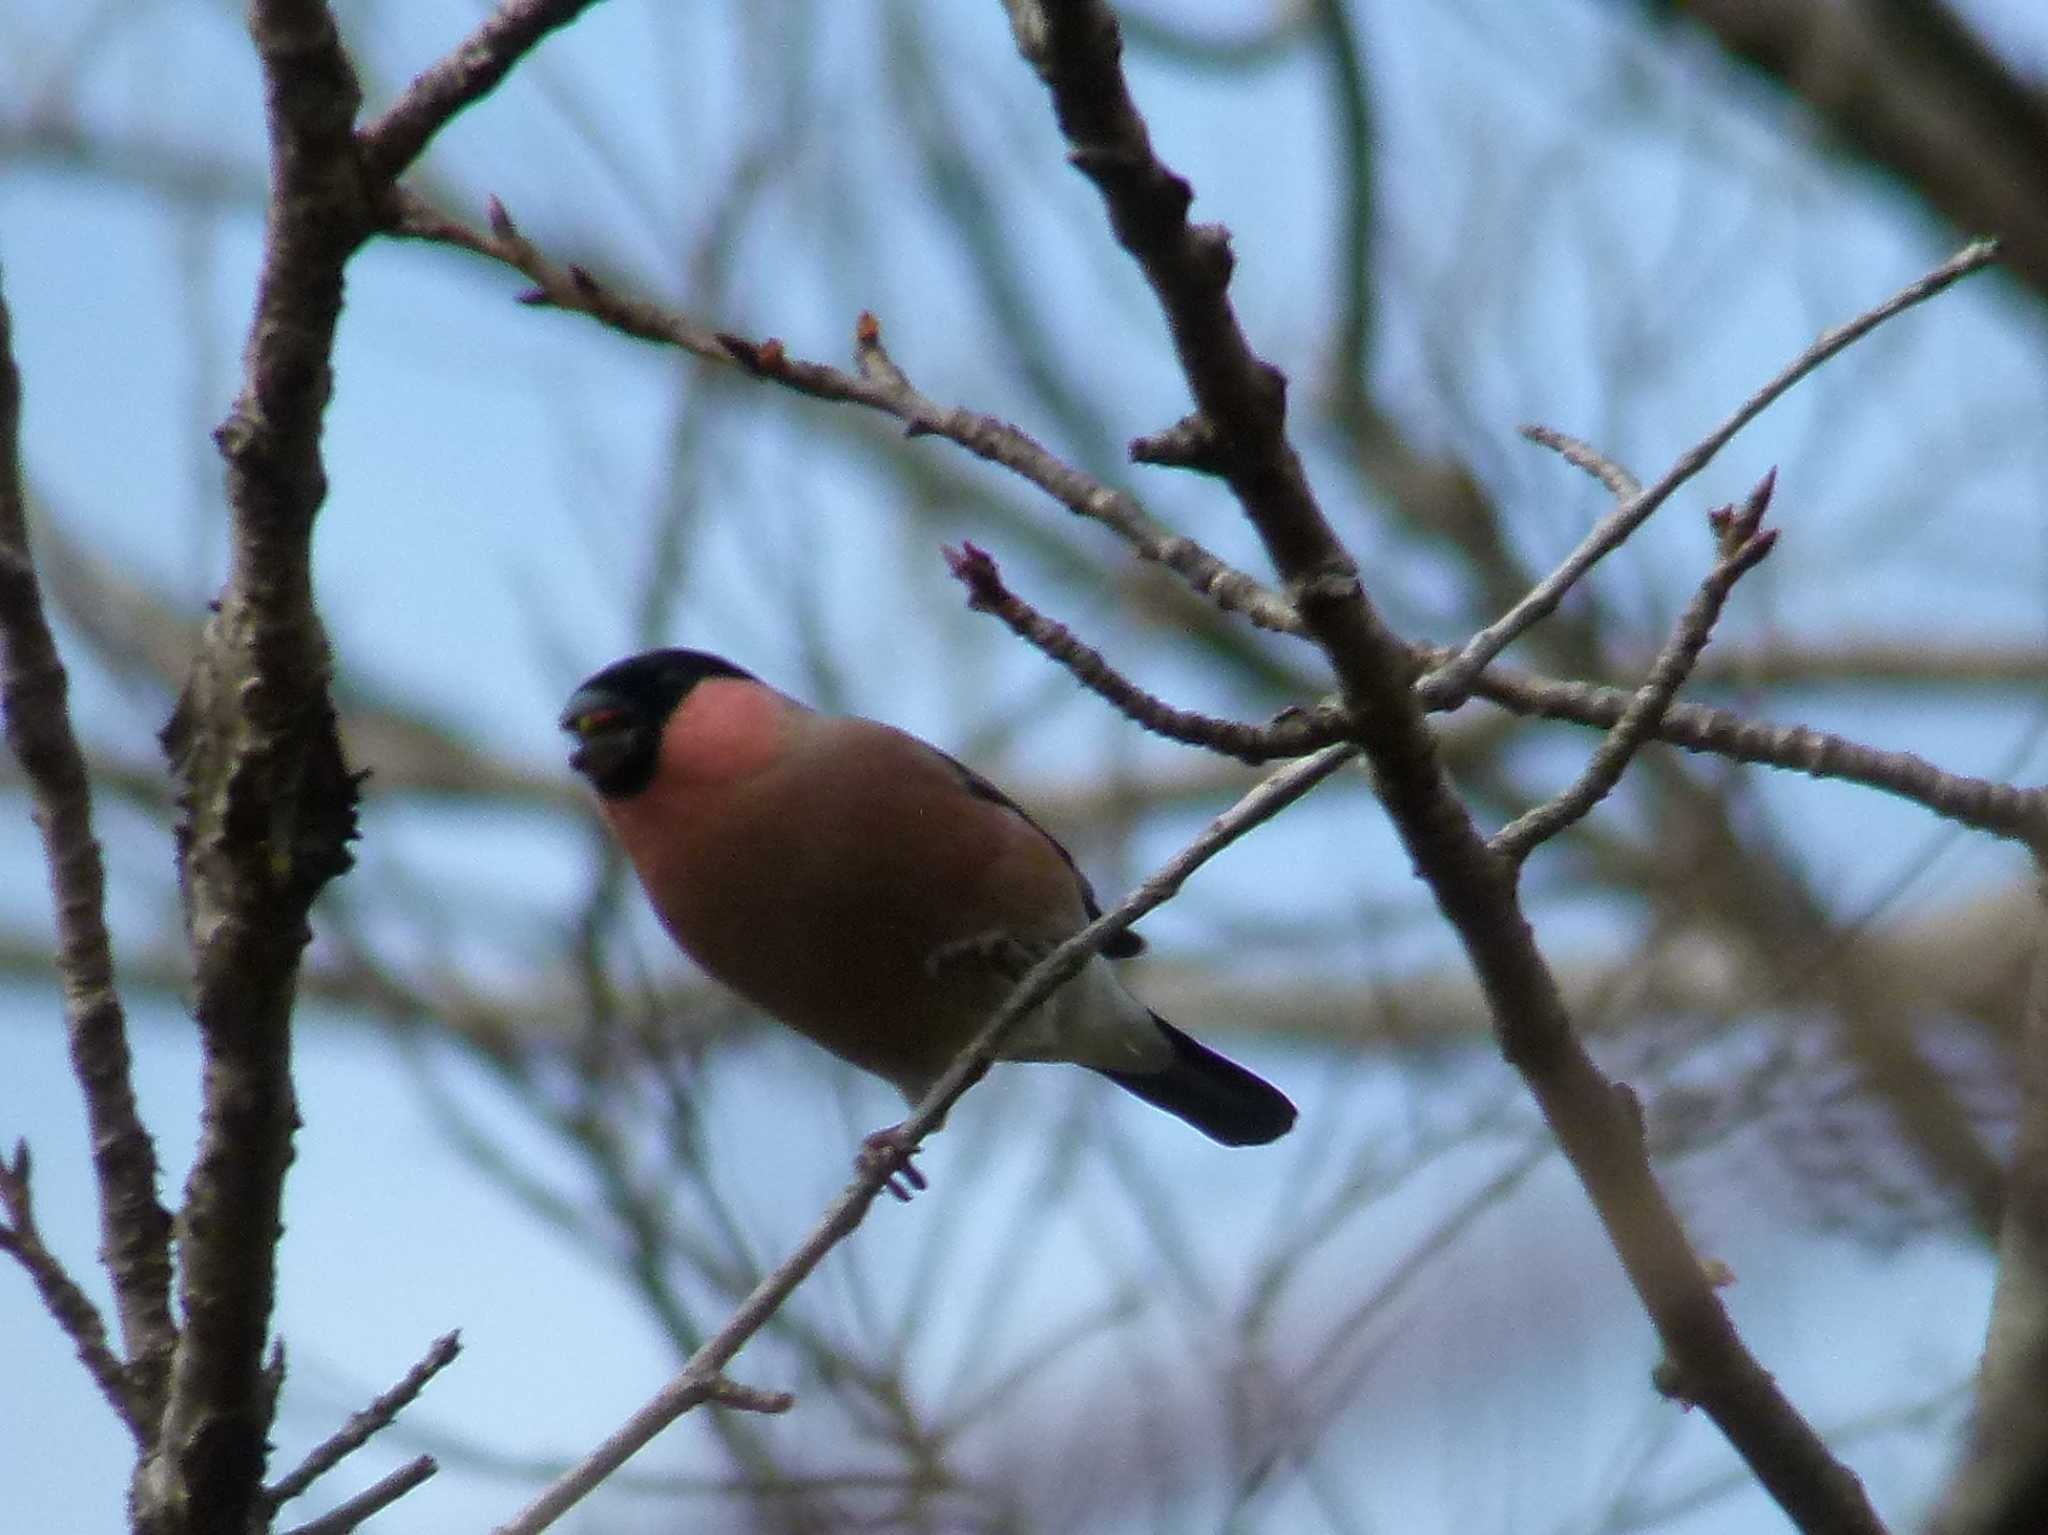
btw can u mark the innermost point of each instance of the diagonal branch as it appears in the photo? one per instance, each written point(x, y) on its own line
point(1981, 803)
point(22, 1239)
point(1614, 529)
point(879, 384)
point(464, 77)
point(1744, 546)
point(702, 1378)
point(374, 1499)
point(357, 1431)
point(1296, 734)
point(134, 1226)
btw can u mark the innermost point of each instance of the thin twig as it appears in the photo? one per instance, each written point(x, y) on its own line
point(73, 1310)
point(356, 1432)
point(1580, 454)
point(1982, 803)
point(1295, 735)
point(882, 386)
point(135, 1229)
point(1614, 529)
point(374, 1499)
point(472, 71)
point(1230, 589)
point(879, 385)
point(1744, 544)
point(698, 1379)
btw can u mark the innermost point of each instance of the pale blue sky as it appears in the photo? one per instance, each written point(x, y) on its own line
point(491, 468)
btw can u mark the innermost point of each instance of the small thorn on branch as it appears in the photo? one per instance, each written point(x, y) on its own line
point(765, 358)
point(1632, 1105)
point(1190, 443)
point(1669, 1381)
point(499, 220)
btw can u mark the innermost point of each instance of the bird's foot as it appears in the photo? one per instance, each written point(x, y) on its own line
point(1004, 953)
point(889, 1153)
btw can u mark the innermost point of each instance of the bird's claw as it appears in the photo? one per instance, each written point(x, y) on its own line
point(887, 1152)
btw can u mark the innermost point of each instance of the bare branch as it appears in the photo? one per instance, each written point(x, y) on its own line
point(21, 1239)
point(1950, 664)
point(135, 1229)
point(882, 386)
point(879, 385)
point(373, 1499)
point(268, 806)
point(1620, 484)
point(468, 74)
point(1240, 398)
point(1614, 529)
point(356, 1432)
point(1295, 735)
point(1744, 545)
point(1190, 443)
point(1982, 803)
point(1075, 46)
point(699, 1379)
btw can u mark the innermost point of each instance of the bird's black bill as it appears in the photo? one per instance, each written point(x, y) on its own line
point(615, 748)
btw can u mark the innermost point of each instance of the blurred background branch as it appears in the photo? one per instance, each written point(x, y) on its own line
point(1613, 219)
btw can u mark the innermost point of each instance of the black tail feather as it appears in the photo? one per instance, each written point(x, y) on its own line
point(1217, 1096)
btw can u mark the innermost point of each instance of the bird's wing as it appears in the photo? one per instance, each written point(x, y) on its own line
point(1124, 945)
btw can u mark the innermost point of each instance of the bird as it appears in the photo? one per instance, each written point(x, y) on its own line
point(855, 882)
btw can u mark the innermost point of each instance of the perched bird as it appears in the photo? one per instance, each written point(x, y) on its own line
point(842, 876)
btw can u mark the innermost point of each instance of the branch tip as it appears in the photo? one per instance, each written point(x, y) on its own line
point(976, 569)
point(730, 1393)
point(1190, 443)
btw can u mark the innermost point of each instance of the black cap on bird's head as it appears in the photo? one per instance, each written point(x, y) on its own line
point(617, 715)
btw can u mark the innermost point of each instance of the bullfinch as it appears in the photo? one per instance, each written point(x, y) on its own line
point(841, 876)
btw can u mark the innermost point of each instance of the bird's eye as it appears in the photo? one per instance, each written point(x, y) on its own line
point(594, 722)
